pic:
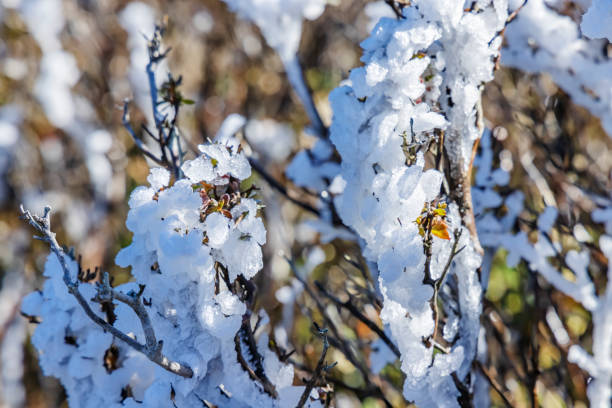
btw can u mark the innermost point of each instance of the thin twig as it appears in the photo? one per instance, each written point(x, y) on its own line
point(319, 370)
point(465, 397)
point(280, 188)
point(139, 143)
point(395, 8)
point(337, 341)
point(348, 305)
point(510, 18)
point(493, 382)
point(438, 284)
point(152, 349)
point(345, 347)
point(263, 380)
point(256, 358)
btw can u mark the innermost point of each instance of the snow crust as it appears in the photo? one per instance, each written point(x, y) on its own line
point(497, 233)
point(421, 75)
point(179, 236)
point(542, 40)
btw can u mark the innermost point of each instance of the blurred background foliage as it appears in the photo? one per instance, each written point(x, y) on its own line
point(228, 68)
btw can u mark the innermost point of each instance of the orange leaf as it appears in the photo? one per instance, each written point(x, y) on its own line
point(440, 229)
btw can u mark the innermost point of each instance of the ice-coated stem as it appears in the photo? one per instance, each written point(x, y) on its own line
point(152, 349)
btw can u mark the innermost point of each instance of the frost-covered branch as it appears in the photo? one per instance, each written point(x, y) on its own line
point(168, 136)
point(541, 39)
point(419, 89)
point(152, 349)
point(548, 258)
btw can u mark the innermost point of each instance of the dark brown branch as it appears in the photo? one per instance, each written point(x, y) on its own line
point(465, 396)
point(268, 387)
point(344, 346)
point(280, 188)
point(493, 383)
point(438, 284)
point(348, 305)
point(319, 371)
point(337, 341)
point(396, 9)
point(256, 358)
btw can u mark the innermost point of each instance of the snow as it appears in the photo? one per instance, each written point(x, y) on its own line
point(273, 140)
point(395, 100)
point(280, 21)
point(174, 249)
point(498, 233)
point(576, 64)
point(597, 21)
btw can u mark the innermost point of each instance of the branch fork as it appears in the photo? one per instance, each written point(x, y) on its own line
point(105, 294)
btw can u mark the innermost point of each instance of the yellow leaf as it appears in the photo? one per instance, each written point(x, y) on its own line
point(440, 229)
point(440, 211)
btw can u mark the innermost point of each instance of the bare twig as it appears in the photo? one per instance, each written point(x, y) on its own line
point(263, 380)
point(139, 143)
point(465, 396)
point(493, 382)
point(167, 130)
point(337, 341)
point(258, 374)
point(396, 9)
point(348, 305)
point(344, 345)
point(280, 188)
point(155, 56)
point(510, 18)
point(438, 284)
point(319, 371)
point(153, 348)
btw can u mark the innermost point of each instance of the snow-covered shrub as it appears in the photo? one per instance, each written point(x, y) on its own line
point(421, 80)
point(196, 242)
point(550, 259)
point(394, 188)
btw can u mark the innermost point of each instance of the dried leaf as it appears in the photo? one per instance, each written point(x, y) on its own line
point(439, 229)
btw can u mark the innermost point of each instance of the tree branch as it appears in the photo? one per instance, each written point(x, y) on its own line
point(152, 349)
point(348, 305)
point(296, 79)
point(139, 143)
point(319, 371)
point(280, 188)
point(438, 284)
point(493, 382)
point(246, 334)
point(396, 9)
